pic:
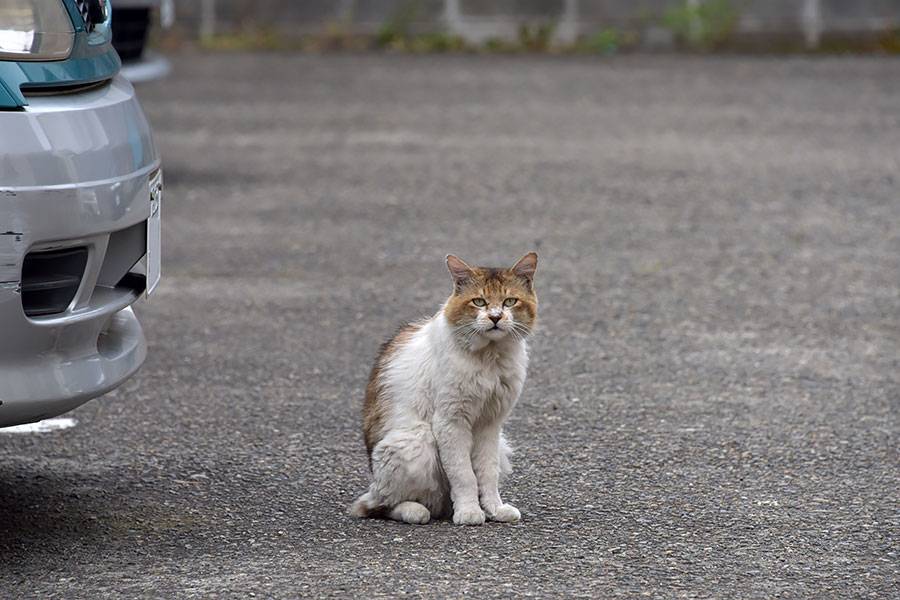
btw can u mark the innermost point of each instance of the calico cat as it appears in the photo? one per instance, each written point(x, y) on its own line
point(437, 397)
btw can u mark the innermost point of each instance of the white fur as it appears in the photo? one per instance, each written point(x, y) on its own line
point(442, 447)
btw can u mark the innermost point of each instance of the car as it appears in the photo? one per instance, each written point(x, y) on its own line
point(131, 26)
point(133, 21)
point(80, 200)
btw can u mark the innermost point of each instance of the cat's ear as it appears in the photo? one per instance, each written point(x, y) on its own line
point(525, 267)
point(460, 271)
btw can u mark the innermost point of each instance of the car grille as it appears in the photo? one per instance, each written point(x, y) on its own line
point(93, 12)
point(50, 280)
point(84, 7)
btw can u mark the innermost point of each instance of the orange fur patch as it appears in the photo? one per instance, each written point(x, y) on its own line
point(494, 286)
point(377, 406)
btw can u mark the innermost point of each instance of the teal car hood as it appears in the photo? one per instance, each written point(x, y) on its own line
point(93, 59)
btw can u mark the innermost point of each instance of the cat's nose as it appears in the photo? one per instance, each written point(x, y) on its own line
point(495, 318)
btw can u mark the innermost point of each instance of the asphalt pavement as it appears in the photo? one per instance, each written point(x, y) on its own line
point(713, 403)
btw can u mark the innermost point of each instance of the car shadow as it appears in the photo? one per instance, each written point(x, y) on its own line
point(46, 515)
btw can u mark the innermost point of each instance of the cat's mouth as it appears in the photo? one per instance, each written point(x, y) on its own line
point(495, 330)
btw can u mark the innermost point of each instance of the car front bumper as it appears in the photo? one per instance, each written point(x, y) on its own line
point(75, 178)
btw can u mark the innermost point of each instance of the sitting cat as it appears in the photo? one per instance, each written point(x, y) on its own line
point(437, 397)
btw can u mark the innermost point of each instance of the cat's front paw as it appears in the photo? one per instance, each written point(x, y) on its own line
point(505, 513)
point(468, 516)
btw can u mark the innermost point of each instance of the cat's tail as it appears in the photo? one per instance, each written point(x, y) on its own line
point(366, 506)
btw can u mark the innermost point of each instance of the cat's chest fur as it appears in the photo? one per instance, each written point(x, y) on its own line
point(479, 385)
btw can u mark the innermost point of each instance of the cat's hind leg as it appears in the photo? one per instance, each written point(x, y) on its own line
point(410, 512)
point(369, 505)
point(407, 481)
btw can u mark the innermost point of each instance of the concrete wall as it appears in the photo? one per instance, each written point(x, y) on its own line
point(477, 20)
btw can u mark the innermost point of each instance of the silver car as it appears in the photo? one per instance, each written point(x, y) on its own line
point(131, 27)
point(80, 190)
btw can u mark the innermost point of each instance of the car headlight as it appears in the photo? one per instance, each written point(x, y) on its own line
point(35, 30)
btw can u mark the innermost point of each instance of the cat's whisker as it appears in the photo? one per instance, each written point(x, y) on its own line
point(466, 332)
point(518, 329)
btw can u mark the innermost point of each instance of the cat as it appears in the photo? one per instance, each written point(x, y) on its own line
point(438, 395)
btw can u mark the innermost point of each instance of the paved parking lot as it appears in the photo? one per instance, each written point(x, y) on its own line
point(712, 407)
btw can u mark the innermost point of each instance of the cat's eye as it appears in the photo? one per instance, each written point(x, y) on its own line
point(510, 302)
point(479, 302)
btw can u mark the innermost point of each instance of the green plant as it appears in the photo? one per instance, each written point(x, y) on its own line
point(436, 42)
point(537, 37)
point(337, 34)
point(262, 39)
point(607, 41)
point(340, 28)
point(396, 30)
point(702, 24)
point(494, 45)
point(889, 41)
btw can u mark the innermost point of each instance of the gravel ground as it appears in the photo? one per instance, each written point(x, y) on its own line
point(712, 406)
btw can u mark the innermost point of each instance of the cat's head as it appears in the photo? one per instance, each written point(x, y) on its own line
point(492, 304)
